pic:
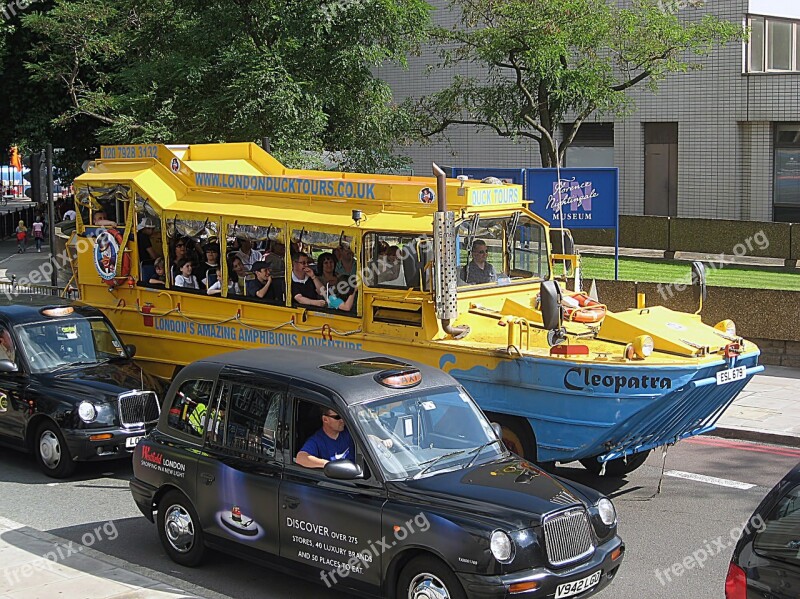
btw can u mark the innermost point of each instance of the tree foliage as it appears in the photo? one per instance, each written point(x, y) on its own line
point(191, 71)
point(546, 62)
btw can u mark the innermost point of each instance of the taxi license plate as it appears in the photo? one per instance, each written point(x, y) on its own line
point(568, 589)
point(131, 442)
point(731, 375)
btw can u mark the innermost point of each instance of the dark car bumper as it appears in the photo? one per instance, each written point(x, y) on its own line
point(89, 445)
point(495, 587)
point(143, 497)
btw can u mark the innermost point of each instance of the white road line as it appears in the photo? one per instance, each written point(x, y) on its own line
point(712, 480)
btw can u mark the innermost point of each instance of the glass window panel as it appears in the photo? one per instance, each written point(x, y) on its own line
point(756, 44)
point(788, 135)
point(779, 45)
point(787, 176)
point(780, 537)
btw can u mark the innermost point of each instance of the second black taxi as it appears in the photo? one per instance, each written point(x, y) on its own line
point(69, 389)
point(364, 472)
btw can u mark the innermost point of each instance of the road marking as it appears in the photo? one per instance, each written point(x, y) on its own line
point(712, 480)
point(744, 446)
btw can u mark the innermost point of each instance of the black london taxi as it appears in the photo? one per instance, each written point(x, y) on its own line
point(430, 504)
point(69, 389)
point(766, 560)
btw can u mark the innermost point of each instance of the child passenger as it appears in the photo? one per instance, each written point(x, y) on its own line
point(160, 276)
point(186, 278)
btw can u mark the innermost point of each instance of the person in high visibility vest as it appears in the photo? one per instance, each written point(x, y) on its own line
point(197, 419)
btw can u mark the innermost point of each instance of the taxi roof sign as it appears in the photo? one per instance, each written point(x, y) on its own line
point(399, 379)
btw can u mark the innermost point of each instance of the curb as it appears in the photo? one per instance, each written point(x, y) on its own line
point(756, 435)
point(177, 583)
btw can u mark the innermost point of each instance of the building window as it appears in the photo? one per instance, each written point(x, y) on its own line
point(773, 45)
point(786, 194)
point(593, 145)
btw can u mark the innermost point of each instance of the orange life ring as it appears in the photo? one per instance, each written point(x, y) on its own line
point(108, 267)
point(587, 310)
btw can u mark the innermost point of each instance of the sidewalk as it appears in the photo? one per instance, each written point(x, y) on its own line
point(38, 565)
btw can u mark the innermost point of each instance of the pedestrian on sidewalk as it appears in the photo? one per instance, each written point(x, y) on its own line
point(22, 237)
point(38, 233)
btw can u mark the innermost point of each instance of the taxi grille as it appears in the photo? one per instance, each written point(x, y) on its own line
point(138, 408)
point(567, 536)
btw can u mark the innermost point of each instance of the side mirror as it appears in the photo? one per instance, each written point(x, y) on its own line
point(550, 294)
point(131, 349)
point(699, 290)
point(498, 430)
point(342, 470)
point(8, 366)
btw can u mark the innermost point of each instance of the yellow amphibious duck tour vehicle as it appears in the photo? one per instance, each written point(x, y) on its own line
point(454, 273)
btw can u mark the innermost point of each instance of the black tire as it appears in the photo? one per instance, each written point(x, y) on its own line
point(179, 530)
point(51, 451)
point(517, 435)
point(616, 467)
point(428, 572)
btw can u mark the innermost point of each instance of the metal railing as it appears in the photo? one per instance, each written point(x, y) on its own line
point(12, 288)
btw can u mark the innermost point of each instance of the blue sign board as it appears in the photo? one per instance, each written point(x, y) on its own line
point(583, 198)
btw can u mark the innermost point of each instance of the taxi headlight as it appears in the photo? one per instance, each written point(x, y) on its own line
point(606, 511)
point(501, 545)
point(643, 346)
point(726, 326)
point(86, 411)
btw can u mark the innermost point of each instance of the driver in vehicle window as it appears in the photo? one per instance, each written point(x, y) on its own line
point(7, 350)
point(330, 443)
point(479, 271)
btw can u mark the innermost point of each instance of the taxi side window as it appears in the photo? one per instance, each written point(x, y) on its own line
point(188, 412)
point(779, 539)
point(245, 421)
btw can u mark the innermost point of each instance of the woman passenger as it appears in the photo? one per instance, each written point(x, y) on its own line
point(326, 268)
point(179, 253)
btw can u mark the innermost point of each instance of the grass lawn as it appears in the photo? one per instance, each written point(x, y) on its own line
point(651, 270)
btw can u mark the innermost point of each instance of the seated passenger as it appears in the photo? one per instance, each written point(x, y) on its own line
point(391, 271)
point(305, 285)
point(341, 296)
point(263, 286)
point(160, 275)
point(186, 279)
point(211, 263)
point(478, 270)
point(326, 268)
point(275, 259)
point(237, 274)
point(247, 254)
point(346, 264)
point(7, 349)
point(213, 281)
point(330, 443)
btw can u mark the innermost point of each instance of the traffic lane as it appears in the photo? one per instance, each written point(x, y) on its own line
point(680, 540)
point(32, 498)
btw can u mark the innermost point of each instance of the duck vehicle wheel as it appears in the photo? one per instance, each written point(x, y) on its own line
point(52, 453)
point(617, 467)
point(426, 577)
point(517, 435)
point(179, 530)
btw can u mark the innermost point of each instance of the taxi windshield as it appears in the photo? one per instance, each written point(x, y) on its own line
point(501, 250)
point(417, 435)
point(53, 344)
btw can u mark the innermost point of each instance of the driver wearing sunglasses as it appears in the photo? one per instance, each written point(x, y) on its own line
point(479, 270)
point(330, 443)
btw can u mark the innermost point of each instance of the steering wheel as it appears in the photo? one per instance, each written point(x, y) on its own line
point(33, 356)
point(387, 458)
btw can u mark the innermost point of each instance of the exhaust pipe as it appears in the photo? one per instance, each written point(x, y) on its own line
point(445, 275)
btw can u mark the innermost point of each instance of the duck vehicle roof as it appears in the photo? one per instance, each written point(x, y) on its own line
point(240, 179)
point(351, 374)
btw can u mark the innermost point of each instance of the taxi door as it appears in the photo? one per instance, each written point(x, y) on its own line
point(239, 471)
point(324, 523)
point(14, 407)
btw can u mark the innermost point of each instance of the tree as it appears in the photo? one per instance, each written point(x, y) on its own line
point(552, 61)
point(191, 71)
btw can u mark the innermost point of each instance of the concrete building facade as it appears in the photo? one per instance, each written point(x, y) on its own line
point(719, 142)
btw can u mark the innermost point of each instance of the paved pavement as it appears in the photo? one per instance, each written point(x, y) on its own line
point(768, 410)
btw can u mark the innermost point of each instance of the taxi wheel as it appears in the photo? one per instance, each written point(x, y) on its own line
point(52, 453)
point(616, 467)
point(426, 577)
point(179, 530)
point(517, 435)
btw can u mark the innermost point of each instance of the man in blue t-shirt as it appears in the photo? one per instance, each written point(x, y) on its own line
point(330, 443)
